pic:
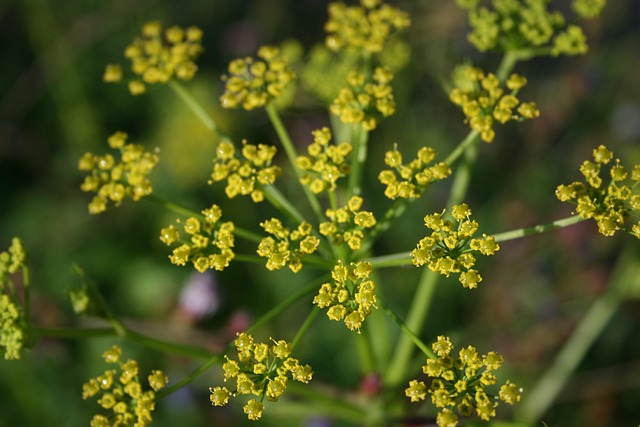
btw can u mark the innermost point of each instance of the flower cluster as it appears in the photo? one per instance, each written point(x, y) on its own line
point(286, 247)
point(450, 248)
point(366, 27)
point(347, 223)
point(262, 370)
point(252, 83)
point(245, 176)
point(350, 296)
point(157, 56)
point(365, 101)
point(325, 164)
point(12, 318)
point(122, 392)
point(484, 101)
point(114, 181)
point(210, 244)
point(459, 383)
point(518, 25)
point(408, 181)
point(588, 8)
point(611, 205)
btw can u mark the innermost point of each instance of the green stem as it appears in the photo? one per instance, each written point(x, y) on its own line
point(315, 285)
point(414, 322)
point(251, 259)
point(416, 340)
point(305, 326)
point(393, 213)
point(290, 150)
point(27, 293)
point(400, 259)
point(361, 137)
point(365, 350)
point(463, 176)
point(625, 278)
point(471, 138)
point(280, 202)
point(537, 229)
point(195, 106)
point(189, 378)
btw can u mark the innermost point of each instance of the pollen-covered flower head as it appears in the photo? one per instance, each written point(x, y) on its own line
point(459, 383)
point(261, 370)
point(350, 296)
point(254, 82)
point(348, 224)
point(159, 55)
point(365, 100)
point(451, 248)
point(115, 180)
point(409, 180)
point(527, 24)
point(284, 246)
point(13, 323)
point(614, 205)
point(326, 162)
point(366, 27)
point(245, 172)
point(485, 100)
point(205, 241)
point(121, 392)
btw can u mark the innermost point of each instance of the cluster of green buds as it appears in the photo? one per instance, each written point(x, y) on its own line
point(122, 393)
point(261, 370)
point(459, 383)
point(484, 101)
point(245, 176)
point(351, 296)
point(408, 181)
point(363, 28)
point(609, 205)
point(286, 247)
point(518, 25)
point(326, 162)
point(12, 318)
point(252, 83)
point(347, 224)
point(363, 101)
point(210, 244)
point(451, 246)
point(114, 181)
point(158, 56)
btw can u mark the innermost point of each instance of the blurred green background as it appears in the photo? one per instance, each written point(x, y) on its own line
point(54, 107)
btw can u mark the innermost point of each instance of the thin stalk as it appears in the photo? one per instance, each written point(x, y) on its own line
point(196, 107)
point(27, 293)
point(290, 150)
point(537, 229)
point(416, 340)
point(185, 211)
point(280, 202)
point(463, 176)
point(365, 350)
point(287, 302)
point(625, 278)
point(400, 259)
point(393, 213)
point(360, 146)
point(414, 322)
point(305, 326)
point(471, 138)
point(189, 378)
point(251, 259)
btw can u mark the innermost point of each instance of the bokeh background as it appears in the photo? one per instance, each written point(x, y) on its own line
point(54, 107)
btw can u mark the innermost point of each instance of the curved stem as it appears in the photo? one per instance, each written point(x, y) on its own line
point(196, 107)
point(189, 378)
point(625, 278)
point(416, 340)
point(290, 150)
point(537, 229)
point(361, 137)
point(305, 326)
point(414, 322)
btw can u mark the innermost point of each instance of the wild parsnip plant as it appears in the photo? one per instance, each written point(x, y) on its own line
point(332, 230)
